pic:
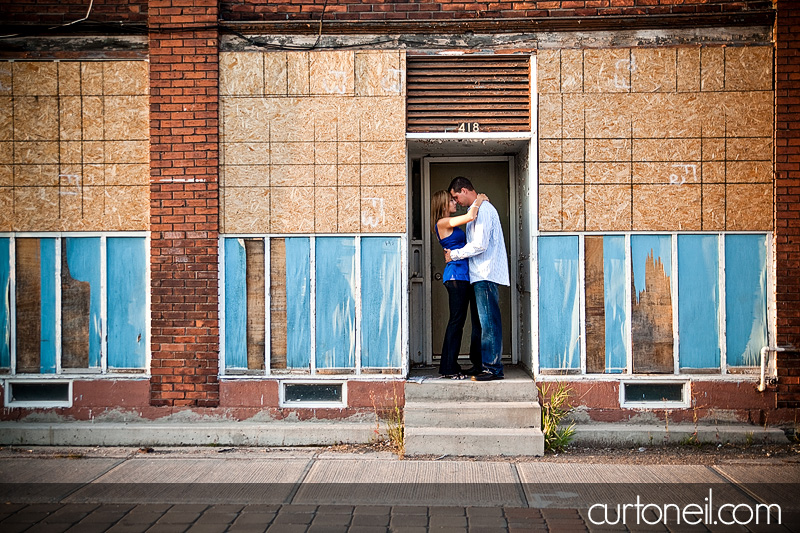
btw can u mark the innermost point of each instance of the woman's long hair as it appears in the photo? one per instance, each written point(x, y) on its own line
point(440, 208)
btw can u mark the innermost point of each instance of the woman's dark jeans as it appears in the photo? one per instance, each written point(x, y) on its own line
point(461, 297)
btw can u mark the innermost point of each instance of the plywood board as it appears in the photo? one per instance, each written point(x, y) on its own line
point(277, 303)
point(75, 315)
point(548, 71)
point(275, 74)
point(291, 210)
point(255, 283)
point(126, 78)
point(332, 72)
point(595, 305)
point(245, 209)
point(28, 305)
point(653, 70)
point(688, 70)
point(35, 118)
point(35, 78)
point(608, 207)
point(378, 73)
point(241, 73)
point(748, 68)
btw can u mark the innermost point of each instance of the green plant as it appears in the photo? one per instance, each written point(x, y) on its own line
point(555, 406)
point(748, 438)
point(392, 416)
point(691, 440)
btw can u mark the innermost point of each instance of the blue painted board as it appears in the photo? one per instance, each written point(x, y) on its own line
point(380, 302)
point(615, 308)
point(127, 304)
point(335, 302)
point(559, 305)
point(83, 260)
point(745, 298)
point(298, 302)
point(47, 271)
point(235, 303)
point(698, 301)
point(5, 302)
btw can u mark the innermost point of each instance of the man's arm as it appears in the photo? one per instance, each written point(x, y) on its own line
point(481, 231)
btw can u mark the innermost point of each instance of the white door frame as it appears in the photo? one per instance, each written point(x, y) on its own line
point(513, 241)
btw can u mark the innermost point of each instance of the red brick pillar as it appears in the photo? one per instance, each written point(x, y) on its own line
point(184, 201)
point(787, 199)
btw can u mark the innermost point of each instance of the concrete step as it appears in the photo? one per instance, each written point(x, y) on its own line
point(473, 441)
point(472, 414)
point(507, 390)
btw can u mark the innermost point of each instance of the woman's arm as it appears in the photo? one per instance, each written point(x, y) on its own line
point(471, 215)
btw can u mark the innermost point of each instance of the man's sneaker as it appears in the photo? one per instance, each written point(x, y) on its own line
point(486, 376)
point(474, 371)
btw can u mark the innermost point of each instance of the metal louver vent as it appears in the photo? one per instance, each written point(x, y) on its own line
point(468, 94)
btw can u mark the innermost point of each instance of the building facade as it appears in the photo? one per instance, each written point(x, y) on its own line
point(221, 208)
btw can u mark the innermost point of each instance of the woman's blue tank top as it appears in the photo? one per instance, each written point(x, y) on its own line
point(459, 269)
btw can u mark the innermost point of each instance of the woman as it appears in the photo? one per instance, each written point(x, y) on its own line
point(456, 281)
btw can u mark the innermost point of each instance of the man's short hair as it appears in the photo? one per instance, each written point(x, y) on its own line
point(460, 182)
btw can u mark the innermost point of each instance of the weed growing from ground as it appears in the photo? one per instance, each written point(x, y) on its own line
point(555, 406)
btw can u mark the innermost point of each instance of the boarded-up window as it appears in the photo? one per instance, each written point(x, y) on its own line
point(468, 94)
point(637, 331)
point(349, 328)
point(74, 308)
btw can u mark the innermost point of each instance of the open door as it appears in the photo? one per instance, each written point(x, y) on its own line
point(493, 176)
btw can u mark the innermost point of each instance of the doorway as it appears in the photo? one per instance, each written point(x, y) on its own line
point(493, 176)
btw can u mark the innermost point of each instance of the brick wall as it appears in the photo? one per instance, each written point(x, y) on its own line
point(787, 199)
point(368, 10)
point(66, 11)
point(184, 161)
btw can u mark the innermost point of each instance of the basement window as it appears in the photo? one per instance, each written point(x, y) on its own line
point(38, 393)
point(655, 394)
point(313, 394)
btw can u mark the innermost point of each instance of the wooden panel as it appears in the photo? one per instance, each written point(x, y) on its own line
point(29, 305)
point(254, 249)
point(595, 305)
point(492, 91)
point(75, 310)
point(277, 303)
point(651, 309)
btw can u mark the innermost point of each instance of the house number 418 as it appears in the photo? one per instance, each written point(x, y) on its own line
point(468, 127)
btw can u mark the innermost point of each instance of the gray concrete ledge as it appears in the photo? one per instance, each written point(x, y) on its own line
point(642, 435)
point(185, 434)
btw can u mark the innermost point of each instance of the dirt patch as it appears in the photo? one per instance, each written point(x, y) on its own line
point(678, 454)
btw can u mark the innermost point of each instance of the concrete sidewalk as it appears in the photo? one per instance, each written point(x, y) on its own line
point(312, 489)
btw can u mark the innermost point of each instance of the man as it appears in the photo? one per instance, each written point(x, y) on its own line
point(488, 268)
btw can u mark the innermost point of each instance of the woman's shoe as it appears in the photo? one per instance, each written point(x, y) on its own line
point(455, 376)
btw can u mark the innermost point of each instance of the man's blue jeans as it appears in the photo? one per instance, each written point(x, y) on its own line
point(487, 299)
